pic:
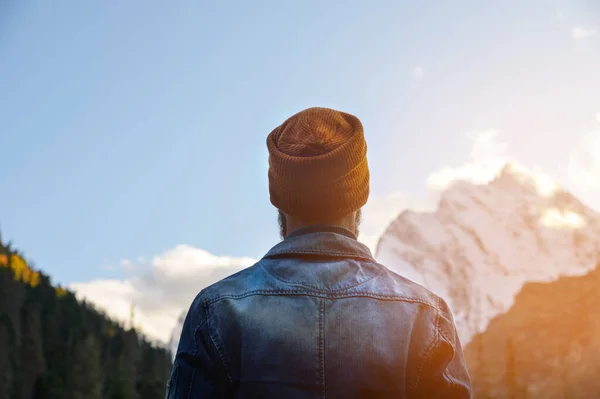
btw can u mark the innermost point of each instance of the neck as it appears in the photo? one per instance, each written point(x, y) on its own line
point(348, 222)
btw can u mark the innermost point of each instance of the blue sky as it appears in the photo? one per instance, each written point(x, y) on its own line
point(126, 130)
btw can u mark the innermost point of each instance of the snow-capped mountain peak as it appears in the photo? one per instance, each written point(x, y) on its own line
point(485, 241)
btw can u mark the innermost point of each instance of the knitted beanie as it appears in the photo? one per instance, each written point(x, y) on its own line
point(318, 170)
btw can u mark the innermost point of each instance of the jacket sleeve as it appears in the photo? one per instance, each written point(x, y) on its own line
point(443, 371)
point(198, 371)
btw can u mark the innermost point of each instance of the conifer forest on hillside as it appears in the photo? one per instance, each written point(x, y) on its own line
point(53, 346)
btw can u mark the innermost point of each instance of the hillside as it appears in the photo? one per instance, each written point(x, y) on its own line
point(54, 347)
point(546, 346)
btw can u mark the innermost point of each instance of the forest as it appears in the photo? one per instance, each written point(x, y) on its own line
point(53, 346)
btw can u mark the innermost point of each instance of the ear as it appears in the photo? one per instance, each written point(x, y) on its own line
point(357, 221)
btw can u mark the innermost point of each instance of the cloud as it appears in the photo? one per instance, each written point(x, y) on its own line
point(598, 116)
point(584, 166)
point(161, 289)
point(418, 73)
point(583, 33)
point(488, 157)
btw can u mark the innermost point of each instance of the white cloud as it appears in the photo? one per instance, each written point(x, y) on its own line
point(418, 73)
point(488, 157)
point(598, 116)
point(584, 166)
point(160, 290)
point(583, 33)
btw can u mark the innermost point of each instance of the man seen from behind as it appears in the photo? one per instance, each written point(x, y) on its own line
point(317, 316)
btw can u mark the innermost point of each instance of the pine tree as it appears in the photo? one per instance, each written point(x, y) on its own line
point(85, 375)
point(12, 296)
point(125, 378)
point(152, 370)
point(6, 370)
point(32, 354)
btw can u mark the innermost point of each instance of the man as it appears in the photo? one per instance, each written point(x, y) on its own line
point(317, 316)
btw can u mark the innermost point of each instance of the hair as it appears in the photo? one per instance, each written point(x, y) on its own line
point(282, 221)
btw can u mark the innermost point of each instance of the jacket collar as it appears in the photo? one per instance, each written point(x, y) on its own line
point(328, 240)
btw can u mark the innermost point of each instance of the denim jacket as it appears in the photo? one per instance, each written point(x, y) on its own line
point(318, 317)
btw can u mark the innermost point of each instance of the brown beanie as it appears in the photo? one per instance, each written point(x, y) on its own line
point(318, 169)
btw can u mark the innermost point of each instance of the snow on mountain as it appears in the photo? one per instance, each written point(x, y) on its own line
point(485, 241)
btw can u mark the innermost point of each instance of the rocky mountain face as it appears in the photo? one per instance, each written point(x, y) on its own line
point(546, 346)
point(484, 242)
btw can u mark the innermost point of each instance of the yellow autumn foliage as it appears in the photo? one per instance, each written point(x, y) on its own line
point(60, 292)
point(35, 279)
point(18, 265)
point(21, 270)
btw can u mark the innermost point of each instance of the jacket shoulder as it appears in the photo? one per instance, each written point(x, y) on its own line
point(250, 279)
point(392, 286)
point(407, 290)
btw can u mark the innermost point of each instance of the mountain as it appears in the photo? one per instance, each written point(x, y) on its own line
point(484, 242)
point(53, 346)
point(546, 346)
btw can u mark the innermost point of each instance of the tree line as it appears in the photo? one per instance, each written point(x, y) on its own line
point(53, 346)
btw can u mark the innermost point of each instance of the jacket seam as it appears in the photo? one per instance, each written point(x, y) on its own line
point(189, 395)
point(447, 373)
point(377, 274)
point(447, 340)
point(321, 345)
point(429, 350)
point(451, 379)
point(328, 295)
point(195, 352)
point(217, 348)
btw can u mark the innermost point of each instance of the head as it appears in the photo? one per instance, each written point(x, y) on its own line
point(318, 170)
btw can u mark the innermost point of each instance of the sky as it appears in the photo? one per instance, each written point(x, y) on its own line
point(133, 135)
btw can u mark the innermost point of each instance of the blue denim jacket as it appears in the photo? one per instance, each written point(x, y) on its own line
point(318, 317)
